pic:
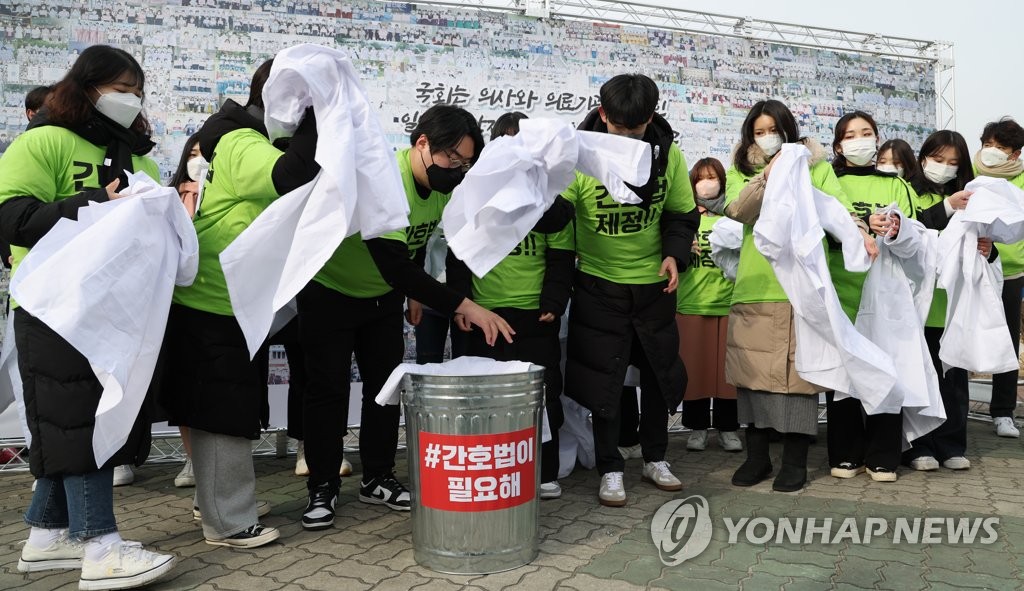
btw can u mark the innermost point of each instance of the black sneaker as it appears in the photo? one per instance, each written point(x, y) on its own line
point(319, 513)
point(253, 537)
point(385, 490)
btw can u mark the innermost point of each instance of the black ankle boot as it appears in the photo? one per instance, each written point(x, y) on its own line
point(793, 474)
point(759, 464)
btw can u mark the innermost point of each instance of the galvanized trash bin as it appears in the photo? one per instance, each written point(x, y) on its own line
point(474, 464)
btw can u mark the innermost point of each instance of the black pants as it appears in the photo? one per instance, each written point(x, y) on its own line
point(536, 342)
point(653, 432)
point(697, 414)
point(875, 441)
point(431, 333)
point(333, 326)
point(288, 337)
point(950, 438)
point(1004, 385)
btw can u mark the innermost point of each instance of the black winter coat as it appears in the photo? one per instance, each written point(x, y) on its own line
point(607, 322)
point(61, 395)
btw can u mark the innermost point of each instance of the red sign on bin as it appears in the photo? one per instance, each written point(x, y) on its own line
point(477, 472)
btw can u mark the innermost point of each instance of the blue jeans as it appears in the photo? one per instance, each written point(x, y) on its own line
point(84, 504)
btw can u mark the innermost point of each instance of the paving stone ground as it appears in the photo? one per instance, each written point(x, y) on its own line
point(587, 547)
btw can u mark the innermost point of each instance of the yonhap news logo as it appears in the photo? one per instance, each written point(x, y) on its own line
point(681, 529)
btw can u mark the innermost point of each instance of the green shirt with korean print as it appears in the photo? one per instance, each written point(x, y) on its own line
point(703, 289)
point(516, 281)
point(622, 243)
point(351, 269)
point(52, 163)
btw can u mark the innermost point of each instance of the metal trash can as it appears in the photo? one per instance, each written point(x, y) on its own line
point(474, 464)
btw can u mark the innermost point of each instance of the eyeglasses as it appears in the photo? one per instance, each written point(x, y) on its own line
point(457, 160)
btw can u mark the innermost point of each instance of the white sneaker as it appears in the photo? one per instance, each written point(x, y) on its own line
point(125, 566)
point(633, 452)
point(262, 508)
point(346, 467)
point(301, 469)
point(123, 475)
point(957, 463)
point(1004, 427)
point(657, 473)
point(924, 464)
point(730, 441)
point(550, 490)
point(62, 553)
point(698, 440)
point(612, 492)
point(186, 477)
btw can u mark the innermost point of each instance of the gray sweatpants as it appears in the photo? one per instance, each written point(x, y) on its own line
point(225, 483)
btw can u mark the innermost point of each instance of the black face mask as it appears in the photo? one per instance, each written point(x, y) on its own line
point(442, 180)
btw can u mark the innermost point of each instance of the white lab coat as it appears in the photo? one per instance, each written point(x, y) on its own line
point(359, 187)
point(726, 239)
point(976, 337)
point(116, 266)
point(518, 177)
point(789, 231)
point(894, 303)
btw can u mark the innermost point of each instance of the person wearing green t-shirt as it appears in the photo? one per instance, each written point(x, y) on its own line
point(75, 151)
point(623, 302)
point(857, 440)
point(211, 385)
point(702, 314)
point(354, 305)
point(999, 157)
point(761, 341)
point(946, 170)
point(530, 289)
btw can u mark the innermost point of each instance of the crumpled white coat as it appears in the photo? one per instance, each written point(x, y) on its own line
point(976, 337)
point(894, 304)
point(460, 366)
point(358, 189)
point(518, 177)
point(726, 239)
point(116, 266)
point(794, 216)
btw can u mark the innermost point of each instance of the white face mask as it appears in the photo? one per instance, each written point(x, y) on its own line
point(890, 169)
point(708, 188)
point(122, 107)
point(197, 168)
point(992, 156)
point(937, 173)
point(859, 151)
point(770, 144)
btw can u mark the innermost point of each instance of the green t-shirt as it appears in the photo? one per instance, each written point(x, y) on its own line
point(351, 269)
point(622, 243)
point(937, 313)
point(703, 290)
point(517, 280)
point(755, 279)
point(53, 163)
point(864, 194)
point(239, 187)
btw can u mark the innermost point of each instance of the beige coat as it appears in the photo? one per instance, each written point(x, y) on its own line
point(761, 349)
